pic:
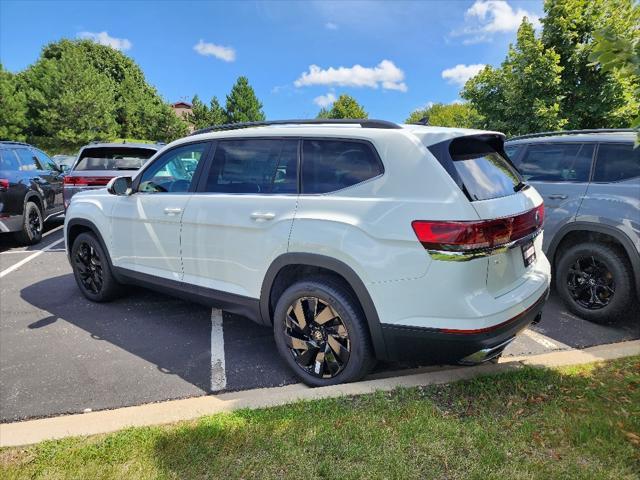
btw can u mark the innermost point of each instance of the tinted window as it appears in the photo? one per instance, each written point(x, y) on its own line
point(173, 171)
point(44, 159)
point(512, 150)
point(28, 160)
point(330, 165)
point(568, 162)
point(9, 160)
point(113, 158)
point(617, 162)
point(483, 170)
point(254, 166)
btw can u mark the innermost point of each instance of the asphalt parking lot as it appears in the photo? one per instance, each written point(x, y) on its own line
point(61, 354)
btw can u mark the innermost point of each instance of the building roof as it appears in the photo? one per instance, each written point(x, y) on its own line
point(181, 105)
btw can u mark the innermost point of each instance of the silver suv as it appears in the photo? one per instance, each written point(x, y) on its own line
point(590, 182)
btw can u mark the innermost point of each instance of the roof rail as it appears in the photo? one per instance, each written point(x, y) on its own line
point(15, 142)
point(364, 123)
point(573, 132)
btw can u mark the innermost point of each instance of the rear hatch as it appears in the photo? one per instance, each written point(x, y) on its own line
point(97, 165)
point(510, 212)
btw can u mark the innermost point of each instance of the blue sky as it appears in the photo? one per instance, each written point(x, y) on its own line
point(393, 57)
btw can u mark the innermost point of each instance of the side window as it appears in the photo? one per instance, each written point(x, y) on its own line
point(254, 166)
point(44, 160)
point(28, 160)
point(617, 162)
point(330, 165)
point(9, 160)
point(563, 162)
point(512, 151)
point(173, 171)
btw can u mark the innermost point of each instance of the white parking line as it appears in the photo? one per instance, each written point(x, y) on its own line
point(52, 230)
point(16, 266)
point(218, 369)
point(542, 340)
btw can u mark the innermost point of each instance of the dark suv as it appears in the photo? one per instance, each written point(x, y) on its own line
point(590, 182)
point(30, 190)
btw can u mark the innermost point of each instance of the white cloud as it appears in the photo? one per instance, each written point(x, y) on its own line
point(331, 26)
point(228, 54)
point(487, 17)
point(385, 75)
point(461, 73)
point(324, 101)
point(103, 38)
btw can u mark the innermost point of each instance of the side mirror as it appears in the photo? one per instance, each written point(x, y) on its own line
point(120, 186)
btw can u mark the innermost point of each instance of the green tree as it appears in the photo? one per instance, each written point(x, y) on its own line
point(344, 107)
point(203, 116)
point(69, 102)
point(13, 108)
point(619, 54)
point(106, 82)
point(523, 95)
point(460, 115)
point(243, 104)
point(592, 97)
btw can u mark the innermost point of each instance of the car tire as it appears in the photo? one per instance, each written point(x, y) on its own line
point(595, 282)
point(334, 345)
point(92, 270)
point(32, 225)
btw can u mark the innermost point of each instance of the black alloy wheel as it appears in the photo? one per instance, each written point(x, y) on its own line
point(34, 223)
point(89, 266)
point(590, 283)
point(317, 337)
point(595, 281)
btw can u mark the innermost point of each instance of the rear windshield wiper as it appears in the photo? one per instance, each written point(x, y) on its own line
point(127, 168)
point(520, 186)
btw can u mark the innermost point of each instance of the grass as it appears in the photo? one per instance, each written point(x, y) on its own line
point(576, 422)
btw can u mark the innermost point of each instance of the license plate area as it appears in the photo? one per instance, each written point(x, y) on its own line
point(528, 253)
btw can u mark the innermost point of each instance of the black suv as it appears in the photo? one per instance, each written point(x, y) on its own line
point(30, 190)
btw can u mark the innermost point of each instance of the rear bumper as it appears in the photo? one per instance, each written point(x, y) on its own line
point(452, 346)
point(11, 223)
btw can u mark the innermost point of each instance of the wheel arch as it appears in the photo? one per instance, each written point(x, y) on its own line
point(619, 238)
point(75, 227)
point(286, 261)
point(33, 196)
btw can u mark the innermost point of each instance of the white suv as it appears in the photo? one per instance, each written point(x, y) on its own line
point(353, 240)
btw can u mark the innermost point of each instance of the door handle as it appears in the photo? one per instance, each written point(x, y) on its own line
point(172, 211)
point(263, 216)
point(558, 196)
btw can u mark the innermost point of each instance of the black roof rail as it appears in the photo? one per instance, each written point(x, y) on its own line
point(364, 123)
point(573, 132)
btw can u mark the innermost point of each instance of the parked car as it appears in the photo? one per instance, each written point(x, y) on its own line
point(590, 182)
point(353, 240)
point(65, 162)
point(30, 190)
point(99, 162)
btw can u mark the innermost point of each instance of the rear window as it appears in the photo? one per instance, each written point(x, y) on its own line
point(617, 162)
point(484, 172)
point(113, 158)
point(331, 165)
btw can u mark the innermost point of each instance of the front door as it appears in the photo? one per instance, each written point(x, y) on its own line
point(560, 173)
point(240, 218)
point(146, 224)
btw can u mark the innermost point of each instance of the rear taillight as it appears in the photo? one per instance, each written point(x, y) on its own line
point(4, 184)
point(86, 181)
point(478, 235)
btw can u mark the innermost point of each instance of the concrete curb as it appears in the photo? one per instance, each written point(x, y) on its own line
point(34, 431)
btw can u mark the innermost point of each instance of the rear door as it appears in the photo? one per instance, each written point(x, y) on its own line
point(240, 219)
point(52, 174)
point(48, 183)
point(146, 225)
point(560, 173)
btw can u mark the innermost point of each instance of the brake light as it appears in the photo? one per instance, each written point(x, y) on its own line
point(86, 181)
point(478, 235)
point(4, 184)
